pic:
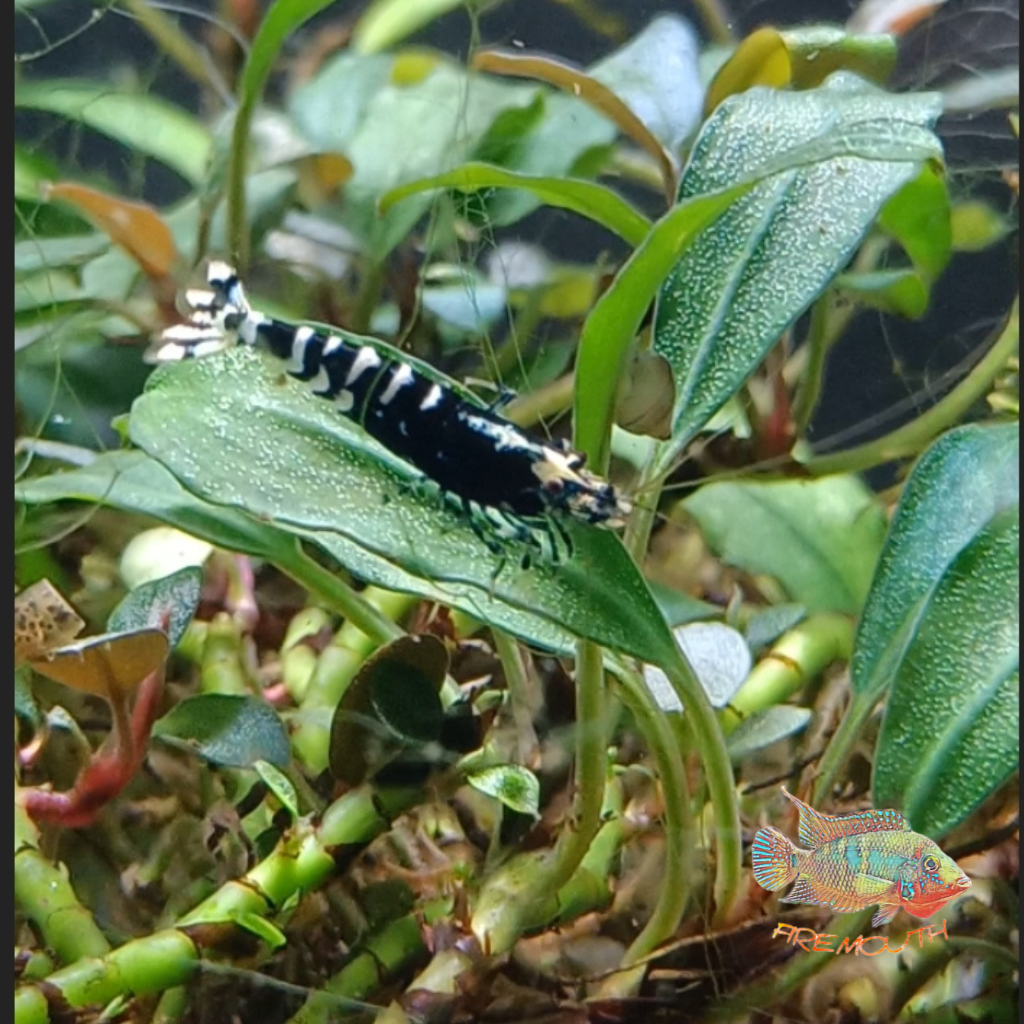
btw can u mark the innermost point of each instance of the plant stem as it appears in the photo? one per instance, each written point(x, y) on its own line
point(303, 860)
point(358, 608)
point(721, 784)
point(679, 826)
point(795, 658)
point(45, 895)
point(590, 770)
point(912, 438)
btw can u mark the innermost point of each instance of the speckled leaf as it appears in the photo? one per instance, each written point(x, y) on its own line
point(951, 729)
point(175, 596)
point(280, 785)
point(819, 539)
point(766, 627)
point(516, 787)
point(232, 430)
point(959, 484)
point(764, 728)
point(134, 482)
point(841, 151)
point(227, 729)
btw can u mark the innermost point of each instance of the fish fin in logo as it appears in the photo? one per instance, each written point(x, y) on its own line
point(855, 861)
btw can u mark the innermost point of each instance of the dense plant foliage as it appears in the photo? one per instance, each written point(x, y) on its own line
point(326, 746)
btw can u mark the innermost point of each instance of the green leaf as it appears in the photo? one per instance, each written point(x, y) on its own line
point(657, 76)
point(227, 729)
point(587, 198)
point(176, 596)
point(260, 927)
point(25, 706)
point(232, 431)
point(967, 477)
point(134, 482)
point(831, 158)
point(516, 787)
point(767, 626)
point(893, 291)
point(387, 22)
point(820, 539)
point(951, 729)
point(280, 785)
point(141, 121)
point(609, 330)
point(396, 128)
point(918, 217)
point(764, 728)
point(392, 703)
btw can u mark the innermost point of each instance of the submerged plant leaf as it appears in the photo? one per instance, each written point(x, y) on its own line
point(237, 432)
point(967, 477)
point(764, 728)
point(110, 665)
point(227, 729)
point(951, 732)
point(820, 538)
point(829, 158)
point(393, 702)
point(43, 620)
point(516, 787)
point(167, 604)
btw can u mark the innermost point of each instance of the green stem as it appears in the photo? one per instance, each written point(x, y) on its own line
point(361, 609)
point(370, 289)
point(302, 861)
point(818, 344)
point(679, 825)
point(721, 784)
point(797, 657)
point(839, 746)
point(43, 892)
point(590, 770)
point(912, 438)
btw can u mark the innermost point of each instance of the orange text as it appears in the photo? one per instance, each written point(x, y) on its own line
point(870, 945)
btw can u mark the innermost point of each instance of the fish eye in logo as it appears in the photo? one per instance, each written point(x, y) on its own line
point(853, 861)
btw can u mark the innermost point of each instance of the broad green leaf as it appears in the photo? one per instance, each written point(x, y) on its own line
point(134, 482)
point(32, 255)
point(175, 596)
point(820, 539)
point(802, 57)
point(829, 158)
point(141, 121)
point(516, 787)
point(396, 130)
point(764, 728)
point(393, 702)
point(958, 485)
point(587, 198)
point(609, 330)
point(235, 433)
point(951, 733)
point(31, 170)
point(227, 729)
point(387, 22)
point(656, 75)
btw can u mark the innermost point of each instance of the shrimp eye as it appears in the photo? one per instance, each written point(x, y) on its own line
point(931, 864)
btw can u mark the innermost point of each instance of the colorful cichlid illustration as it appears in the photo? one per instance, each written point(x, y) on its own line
point(855, 861)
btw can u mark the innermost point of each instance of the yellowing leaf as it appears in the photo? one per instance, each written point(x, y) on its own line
point(110, 665)
point(43, 620)
point(136, 227)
